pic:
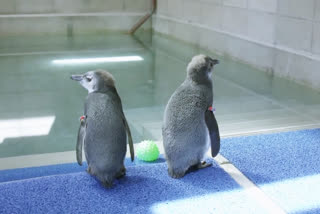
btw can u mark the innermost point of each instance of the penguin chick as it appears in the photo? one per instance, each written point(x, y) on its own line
point(103, 128)
point(189, 127)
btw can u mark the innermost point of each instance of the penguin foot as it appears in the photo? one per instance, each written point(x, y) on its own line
point(89, 171)
point(203, 164)
point(106, 184)
point(174, 174)
point(121, 173)
point(198, 166)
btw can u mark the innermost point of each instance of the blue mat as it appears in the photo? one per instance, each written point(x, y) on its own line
point(286, 166)
point(33, 172)
point(146, 189)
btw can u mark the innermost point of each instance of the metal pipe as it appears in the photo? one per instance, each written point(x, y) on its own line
point(144, 18)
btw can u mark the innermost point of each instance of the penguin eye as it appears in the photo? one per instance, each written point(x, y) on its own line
point(89, 78)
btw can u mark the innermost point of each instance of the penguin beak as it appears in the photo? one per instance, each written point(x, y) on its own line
point(212, 62)
point(215, 61)
point(76, 77)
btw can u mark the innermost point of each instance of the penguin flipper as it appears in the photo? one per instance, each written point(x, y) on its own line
point(80, 141)
point(129, 138)
point(213, 132)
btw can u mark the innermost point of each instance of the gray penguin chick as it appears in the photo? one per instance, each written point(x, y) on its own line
point(189, 125)
point(103, 128)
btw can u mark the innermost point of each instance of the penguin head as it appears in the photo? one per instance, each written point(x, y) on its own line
point(95, 81)
point(200, 67)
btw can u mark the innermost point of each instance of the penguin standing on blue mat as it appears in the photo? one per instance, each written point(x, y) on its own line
point(103, 128)
point(189, 125)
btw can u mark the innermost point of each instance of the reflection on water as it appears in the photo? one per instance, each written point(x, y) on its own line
point(96, 60)
point(25, 127)
point(33, 88)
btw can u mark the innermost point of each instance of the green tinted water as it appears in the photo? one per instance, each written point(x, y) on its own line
point(40, 105)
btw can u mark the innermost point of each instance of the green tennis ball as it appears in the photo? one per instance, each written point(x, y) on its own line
point(147, 150)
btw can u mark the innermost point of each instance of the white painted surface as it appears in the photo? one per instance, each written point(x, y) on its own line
point(235, 20)
point(235, 3)
point(294, 33)
point(72, 6)
point(69, 17)
point(317, 10)
point(69, 14)
point(296, 8)
point(316, 38)
point(261, 26)
point(265, 29)
point(263, 5)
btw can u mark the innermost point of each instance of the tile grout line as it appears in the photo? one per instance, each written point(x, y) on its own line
point(249, 187)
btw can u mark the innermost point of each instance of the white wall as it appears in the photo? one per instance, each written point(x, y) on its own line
point(280, 36)
point(62, 16)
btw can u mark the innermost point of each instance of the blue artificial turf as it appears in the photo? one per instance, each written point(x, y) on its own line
point(146, 188)
point(312, 211)
point(286, 166)
point(33, 172)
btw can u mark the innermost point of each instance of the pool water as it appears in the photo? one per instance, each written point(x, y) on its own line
point(40, 105)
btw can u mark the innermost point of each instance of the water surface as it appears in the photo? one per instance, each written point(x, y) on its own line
point(40, 105)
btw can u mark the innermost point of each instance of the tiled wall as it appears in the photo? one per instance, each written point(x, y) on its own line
point(72, 6)
point(62, 16)
point(280, 36)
